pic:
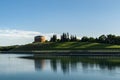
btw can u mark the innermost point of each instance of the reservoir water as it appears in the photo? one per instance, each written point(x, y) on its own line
point(63, 68)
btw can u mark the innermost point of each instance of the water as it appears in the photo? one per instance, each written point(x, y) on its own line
point(14, 68)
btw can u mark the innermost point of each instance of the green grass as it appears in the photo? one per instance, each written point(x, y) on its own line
point(66, 46)
point(7, 48)
point(113, 46)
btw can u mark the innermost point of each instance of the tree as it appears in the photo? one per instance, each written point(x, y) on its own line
point(117, 40)
point(102, 39)
point(91, 39)
point(110, 39)
point(71, 38)
point(65, 37)
point(53, 38)
point(68, 37)
point(85, 39)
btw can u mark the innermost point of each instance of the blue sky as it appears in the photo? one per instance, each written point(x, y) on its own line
point(80, 17)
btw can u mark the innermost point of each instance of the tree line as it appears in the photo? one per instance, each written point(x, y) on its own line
point(66, 37)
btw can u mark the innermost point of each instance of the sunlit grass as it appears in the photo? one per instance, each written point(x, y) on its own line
point(113, 46)
point(67, 46)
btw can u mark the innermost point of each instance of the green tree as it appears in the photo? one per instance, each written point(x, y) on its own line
point(91, 39)
point(110, 39)
point(84, 39)
point(53, 38)
point(102, 39)
point(65, 37)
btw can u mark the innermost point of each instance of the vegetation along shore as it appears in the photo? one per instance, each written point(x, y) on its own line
point(70, 43)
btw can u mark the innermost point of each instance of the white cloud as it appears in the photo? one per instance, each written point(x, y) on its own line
point(18, 37)
point(18, 33)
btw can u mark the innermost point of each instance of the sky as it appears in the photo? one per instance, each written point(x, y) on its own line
point(21, 20)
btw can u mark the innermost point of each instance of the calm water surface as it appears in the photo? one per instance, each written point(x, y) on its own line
point(14, 68)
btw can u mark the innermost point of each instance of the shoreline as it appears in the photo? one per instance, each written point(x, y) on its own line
point(64, 51)
point(67, 52)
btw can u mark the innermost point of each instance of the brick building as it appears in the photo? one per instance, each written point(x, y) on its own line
point(39, 39)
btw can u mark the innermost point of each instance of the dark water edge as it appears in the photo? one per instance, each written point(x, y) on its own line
point(67, 53)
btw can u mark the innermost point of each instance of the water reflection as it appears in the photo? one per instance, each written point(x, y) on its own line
point(39, 64)
point(53, 64)
point(69, 64)
point(15, 67)
point(65, 66)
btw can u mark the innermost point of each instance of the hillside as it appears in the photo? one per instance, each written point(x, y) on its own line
point(65, 46)
point(7, 48)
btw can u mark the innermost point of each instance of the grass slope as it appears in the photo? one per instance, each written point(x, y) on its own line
point(66, 46)
point(7, 48)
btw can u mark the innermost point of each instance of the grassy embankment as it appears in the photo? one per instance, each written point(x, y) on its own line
point(66, 46)
point(7, 48)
